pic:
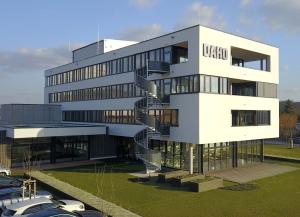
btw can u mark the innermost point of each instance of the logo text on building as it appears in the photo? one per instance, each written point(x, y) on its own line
point(215, 52)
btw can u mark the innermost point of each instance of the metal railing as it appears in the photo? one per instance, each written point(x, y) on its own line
point(151, 158)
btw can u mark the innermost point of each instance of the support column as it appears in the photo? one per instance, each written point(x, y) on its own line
point(262, 146)
point(191, 160)
point(201, 157)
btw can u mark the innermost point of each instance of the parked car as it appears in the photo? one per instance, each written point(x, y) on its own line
point(8, 182)
point(14, 195)
point(60, 212)
point(35, 205)
point(5, 171)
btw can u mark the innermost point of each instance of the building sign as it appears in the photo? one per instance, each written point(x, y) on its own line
point(215, 52)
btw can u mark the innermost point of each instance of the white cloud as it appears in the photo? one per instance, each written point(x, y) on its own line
point(282, 14)
point(199, 13)
point(143, 3)
point(196, 13)
point(34, 59)
point(141, 33)
point(246, 2)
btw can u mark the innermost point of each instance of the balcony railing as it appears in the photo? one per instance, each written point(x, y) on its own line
point(158, 67)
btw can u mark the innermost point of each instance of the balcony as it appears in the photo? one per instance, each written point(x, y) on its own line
point(250, 59)
point(158, 67)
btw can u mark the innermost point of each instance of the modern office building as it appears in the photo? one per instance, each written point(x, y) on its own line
point(196, 99)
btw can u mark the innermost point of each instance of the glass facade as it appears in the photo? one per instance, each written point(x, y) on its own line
point(170, 54)
point(165, 116)
point(217, 156)
point(250, 118)
point(209, 157)
point(36, 151)
point(177, 85)
point(174, 154)
point(248, 152)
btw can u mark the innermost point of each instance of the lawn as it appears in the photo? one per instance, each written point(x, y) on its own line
point(275, 196)
point(282, 150)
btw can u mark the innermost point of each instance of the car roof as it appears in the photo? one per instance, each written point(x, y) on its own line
point(26, 203)
point(49, 212)
point(89, 213)
point(10, 190)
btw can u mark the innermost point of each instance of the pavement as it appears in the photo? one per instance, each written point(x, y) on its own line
point(98, 203)
point(253, 172)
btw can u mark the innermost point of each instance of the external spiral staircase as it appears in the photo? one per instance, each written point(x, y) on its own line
point(153, 127)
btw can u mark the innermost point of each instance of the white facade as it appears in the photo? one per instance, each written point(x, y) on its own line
point(202, 117)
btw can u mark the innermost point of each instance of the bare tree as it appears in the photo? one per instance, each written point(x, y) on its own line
point(99, 180)
point(288, 123)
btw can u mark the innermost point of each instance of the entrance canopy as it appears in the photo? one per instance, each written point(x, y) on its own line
point(52, 130)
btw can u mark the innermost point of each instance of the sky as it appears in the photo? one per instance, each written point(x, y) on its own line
point(38, 34)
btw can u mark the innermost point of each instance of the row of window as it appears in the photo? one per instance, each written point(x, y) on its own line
point(250, 118)
point(179, 85)
point(165, 116)
point(121, 65)
point(97, 93)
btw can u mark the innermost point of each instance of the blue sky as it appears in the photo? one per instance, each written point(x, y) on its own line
point(35, 34)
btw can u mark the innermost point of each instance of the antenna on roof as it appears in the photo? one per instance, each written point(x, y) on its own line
point(69, 46)
point(98, 38)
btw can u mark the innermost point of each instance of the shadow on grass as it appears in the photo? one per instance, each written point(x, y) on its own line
point(153, 181)
point(107, 166)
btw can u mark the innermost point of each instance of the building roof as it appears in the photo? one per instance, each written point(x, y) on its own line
point(53, 130)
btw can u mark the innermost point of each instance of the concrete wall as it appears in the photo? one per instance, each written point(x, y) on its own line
point(215, 109)
point(99, 48)
point(35, 132)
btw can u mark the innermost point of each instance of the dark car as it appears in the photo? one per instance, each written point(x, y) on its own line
point(9, 182)
point(57, 212)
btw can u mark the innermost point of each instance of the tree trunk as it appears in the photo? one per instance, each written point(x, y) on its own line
point(292, 142)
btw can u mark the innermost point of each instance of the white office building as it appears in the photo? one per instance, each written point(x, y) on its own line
point(196, 99)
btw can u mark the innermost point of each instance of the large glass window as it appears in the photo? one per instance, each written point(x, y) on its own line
point(202, 83)
point(214, 84)
point(167, 86)
point(250, 118)
point(184, 83)
point(167, 54)
point(207, 84)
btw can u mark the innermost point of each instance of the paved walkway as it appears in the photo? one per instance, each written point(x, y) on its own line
point(254, 172)
point(87, 198)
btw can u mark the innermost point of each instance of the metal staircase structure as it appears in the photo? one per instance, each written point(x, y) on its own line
point(153, 127)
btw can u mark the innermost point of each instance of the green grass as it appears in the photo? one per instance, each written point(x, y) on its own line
point(275, 196)
point(282, 150)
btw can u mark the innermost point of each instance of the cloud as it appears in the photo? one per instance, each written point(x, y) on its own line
point(141, 33)
point(195, 13)
point(246, 2)
point(34, 59)
point(281, 15)
point(143, 3)
point(199, 13)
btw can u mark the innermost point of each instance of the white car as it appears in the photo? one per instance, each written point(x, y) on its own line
point(28, 207)
point(5, 171)
point(10, 196)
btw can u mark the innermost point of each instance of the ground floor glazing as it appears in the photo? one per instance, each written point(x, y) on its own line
point(45, 150)
point(209, 157)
